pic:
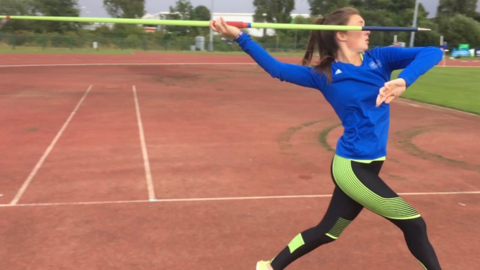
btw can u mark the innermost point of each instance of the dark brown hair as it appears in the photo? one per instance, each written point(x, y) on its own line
point(325, 40)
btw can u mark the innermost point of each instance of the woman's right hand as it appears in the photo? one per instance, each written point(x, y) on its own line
point(219, 25)
point(391, 90)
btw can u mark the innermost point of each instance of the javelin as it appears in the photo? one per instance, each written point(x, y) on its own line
point(207, 23)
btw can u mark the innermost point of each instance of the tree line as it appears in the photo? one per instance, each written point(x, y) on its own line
point(456, 20)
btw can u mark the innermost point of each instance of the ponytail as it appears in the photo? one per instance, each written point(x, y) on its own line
point(312, 44)
point(324, 41)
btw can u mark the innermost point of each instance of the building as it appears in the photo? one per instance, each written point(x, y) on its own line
point(95, 25)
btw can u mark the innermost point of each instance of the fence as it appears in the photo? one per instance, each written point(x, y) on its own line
point(45, 42)
point(142, 43)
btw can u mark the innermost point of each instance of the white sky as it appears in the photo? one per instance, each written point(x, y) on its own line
point(94, 8)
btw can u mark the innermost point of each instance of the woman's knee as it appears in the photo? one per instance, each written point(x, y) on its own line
point(332, 230)
point(415, 226)
point(418, 225)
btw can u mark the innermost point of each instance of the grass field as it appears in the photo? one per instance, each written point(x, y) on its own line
point(457, 88)
point(9, 50)
point(51, 50)
point(26, 49)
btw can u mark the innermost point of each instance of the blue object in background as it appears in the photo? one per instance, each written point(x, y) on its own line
point(460, 53)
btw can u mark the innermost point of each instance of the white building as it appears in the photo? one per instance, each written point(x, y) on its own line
point(243, 17)
point(93, 26)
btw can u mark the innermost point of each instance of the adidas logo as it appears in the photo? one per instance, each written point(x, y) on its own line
point(338, 72)
point(375, 64)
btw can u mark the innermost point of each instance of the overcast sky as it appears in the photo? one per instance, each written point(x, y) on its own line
point(94, 8)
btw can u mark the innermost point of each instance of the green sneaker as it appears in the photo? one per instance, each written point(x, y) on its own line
point(262, 265)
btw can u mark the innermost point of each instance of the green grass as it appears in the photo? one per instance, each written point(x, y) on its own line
point(457, 88)
point(53, 50)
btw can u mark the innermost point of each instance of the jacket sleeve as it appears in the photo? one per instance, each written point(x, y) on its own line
point(414, 61)
point(296, 74)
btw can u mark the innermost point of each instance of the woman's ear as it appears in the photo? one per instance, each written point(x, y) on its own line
point(341, 36)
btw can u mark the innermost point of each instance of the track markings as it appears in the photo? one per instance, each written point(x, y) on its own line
point(224, 199)
point(125, 64)
point(47, 152)
point(146, 162)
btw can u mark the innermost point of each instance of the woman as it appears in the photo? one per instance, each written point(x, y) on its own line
point(356, 82)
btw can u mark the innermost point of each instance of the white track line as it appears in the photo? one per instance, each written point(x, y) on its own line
point(222, 199)
point(123, 64)
point(419, 104)
point(47, 152)
point(157, 64)
point(146, 162)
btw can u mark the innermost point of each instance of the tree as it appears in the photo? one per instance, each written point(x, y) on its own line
point(277, 11)
point(377, 4)
point(402, 12)
point(40, 7)
point(201, 13)
point(18, 7)
point(325, 7)
point(378, 18)
point(357, 3)
point(477, 17)
point(399, 6)
point(125, 8)
point(68, 8)
point(183, 10)
point(299, 37)
point(460, 29)
point(430, 38)
point(452, 7)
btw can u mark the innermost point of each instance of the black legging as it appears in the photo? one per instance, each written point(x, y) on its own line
point(358, 185)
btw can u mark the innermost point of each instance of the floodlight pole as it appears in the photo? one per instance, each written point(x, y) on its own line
point(210, 45)
point(412, 35)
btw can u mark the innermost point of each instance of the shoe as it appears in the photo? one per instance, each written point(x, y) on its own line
point(262, 265)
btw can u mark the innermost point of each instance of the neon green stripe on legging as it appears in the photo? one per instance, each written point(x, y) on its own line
point(393, 208)
point(338, 228)
point(296, 243)
point(423, 265)
point(370, 160)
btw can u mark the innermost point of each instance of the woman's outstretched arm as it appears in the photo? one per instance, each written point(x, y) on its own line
point(296, 74)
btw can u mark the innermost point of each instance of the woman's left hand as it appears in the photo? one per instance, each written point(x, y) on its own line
point(391, 90)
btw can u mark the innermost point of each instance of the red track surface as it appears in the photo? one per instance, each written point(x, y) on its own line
point(211, 131)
